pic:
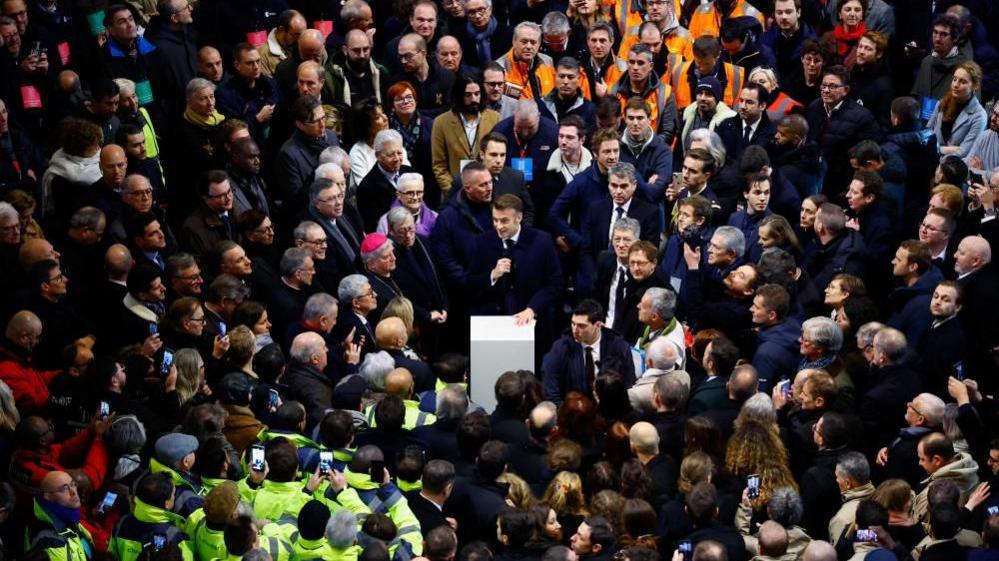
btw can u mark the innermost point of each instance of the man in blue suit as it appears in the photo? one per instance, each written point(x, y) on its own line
point(515, 270)
point(585, 350)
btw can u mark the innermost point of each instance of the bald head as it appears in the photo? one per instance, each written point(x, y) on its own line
point(543, 418)
point(973, 253)
point(111, 151)
point(35, 250)
point(117, 261)
point(24, 329)
point(311, 45)
point(356, 38)
point(390, 333)
point(644, 438)
point(773, 539)
point(399, 382)
point(58, 487)
point(819, 550)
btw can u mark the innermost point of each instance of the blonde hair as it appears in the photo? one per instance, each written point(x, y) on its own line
point(519, 492)
point(188, 363)
point(9, 416)
point(565, 494)
point(402, 308)
point(695, 468)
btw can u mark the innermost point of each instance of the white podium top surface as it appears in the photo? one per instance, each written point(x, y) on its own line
point(500, 328)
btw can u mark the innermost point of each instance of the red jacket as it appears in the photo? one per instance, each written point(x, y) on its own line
point(29, 386)
point(82, 452)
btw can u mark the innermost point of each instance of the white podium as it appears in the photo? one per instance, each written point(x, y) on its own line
point(497, 346)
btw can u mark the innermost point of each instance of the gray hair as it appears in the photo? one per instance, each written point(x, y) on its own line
point(526, 108)
point(178, 262)
point(86, 217)
point(732, 239)
point(950, 426)
point(819, 550)
point(351, 287)
point(8, 213)
point(293, 260)
point(228, 287)
point(855, 466)
point(125, 85)
point(662, 353)
point(384, 137)
point(396, 216)
point(196, 85)
point(303, 228)
point(126, 435)
point(334, 155)
point(662, 302)
point(824, 332)
point(555, 23)
point(524, 25)
point(715, 146)
point(407, 178)
point(452, 403)
point(931, 407)
point(352, 9)
point(489, 3)
point(319, 305)
point(341, 530)
point(672, 392)
point(630, 224)
point(374, 369)
point(767, 72)
point(9, 415)
point(305, 346)
point(319, 185)
point(785, 507)
point(866, 333)
point(891, 343)
point(759, 407)
point(625, 170)
point(377, 252)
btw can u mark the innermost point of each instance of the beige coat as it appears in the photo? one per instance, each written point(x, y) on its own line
point(449, 145)
point(640, 394)
point(271, 53)
point(797, 538)
point(847, 513)
point(963, 471)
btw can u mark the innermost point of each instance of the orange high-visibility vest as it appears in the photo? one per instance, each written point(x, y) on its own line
point(611, 75)
point(518, 74)
point(627, 14)
point(782, 107)
point(657, 99)
point(734, 77)
point(677, 43)
point(707, 19)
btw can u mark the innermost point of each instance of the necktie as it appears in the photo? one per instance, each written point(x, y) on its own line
point(510, 298)
point(619, 294)
point(227, 225)
point(348, 232)
point(746, 134)
point(618, 215)
point(341, 241)
point(591, 370)
point(158, 259)
point(395, 179)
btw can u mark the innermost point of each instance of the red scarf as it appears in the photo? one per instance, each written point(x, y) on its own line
point(845, 40)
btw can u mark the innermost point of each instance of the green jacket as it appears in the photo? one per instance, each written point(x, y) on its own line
point(209, 543)
point(389, 500)
point(136, 530)
point(414, 417)
point(60, 542)
point(279, 550)
point(189, 492)
point(316, 550)
point(274, 499)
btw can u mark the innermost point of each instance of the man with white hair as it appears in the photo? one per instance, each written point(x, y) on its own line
point(378, 189)
point(923, 415)
point(894, 384)
point(662, 469)
point(977, 282)
point(662, 358)
point(304, 376)
point(416, 274)
point(378, 255)
point(357, 300)
point(340, 221)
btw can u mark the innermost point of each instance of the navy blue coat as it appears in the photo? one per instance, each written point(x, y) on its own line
point(585, 189)
point(878, 233)
point(539, 148)
point(536, 275)
point(656, 158)
point(801, 167)
point(730, 131)
point(787, 51)
point(777, 353)
point(909, 306)
point(564, 365)
point(453, 239)
point(882, 410)
point(597, 223)
point(237, 100)
point(711, 394)
point(850, 124)
point(845, 254)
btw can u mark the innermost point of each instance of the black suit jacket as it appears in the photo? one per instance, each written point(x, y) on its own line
point(536, 275)
point(334, 253)
point(417, 277)
point(375, 195)
point(597, 222)
point(730, 131)
point(347, 320)
point(428, 513)
point(509, 182)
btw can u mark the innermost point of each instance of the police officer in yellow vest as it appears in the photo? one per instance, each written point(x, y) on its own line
point(55, 527)
point(399, 383)
point(685, 77)
point(641, 81)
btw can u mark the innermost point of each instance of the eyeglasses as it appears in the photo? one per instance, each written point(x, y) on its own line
point(65, 488)
point(408, 98)
point(321, 242)
point(409, 56)
point(227, 193)
point(332, 199)
point(264, 230)
point(57, 278)
point(830, 87)
point(476, 12)
point(925, 226)
point(406, 230)
point(499, 84)
point(141, 193)
point(200, 320)
point(189, 278)
point(411, 194)
point(913, 407)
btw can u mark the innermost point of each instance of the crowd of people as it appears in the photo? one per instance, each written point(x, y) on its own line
point(242, 243)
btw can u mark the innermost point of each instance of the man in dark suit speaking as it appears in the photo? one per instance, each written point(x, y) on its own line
point(515, 270)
